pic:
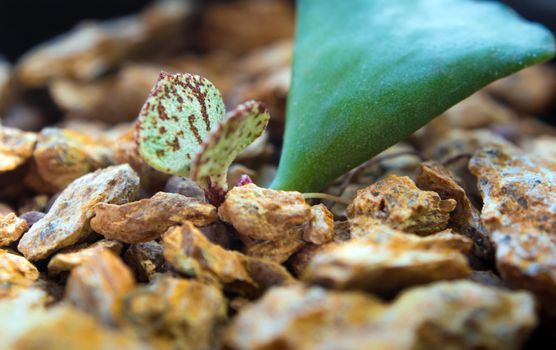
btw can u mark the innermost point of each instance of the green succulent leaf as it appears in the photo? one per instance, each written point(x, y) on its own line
point(241, 127)
point(368, 73)
point(176, 119)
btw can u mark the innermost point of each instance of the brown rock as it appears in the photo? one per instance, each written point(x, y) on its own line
point(69, 259)
point(519, 194)
point(531, 90)
point(16, 270)
point(398, 203)
point(321, 227)
point(146, 260)
point(386, 261)
point(190, 253)
point(186, 187)
point(465, 218)
point(187, 312)
point(276, 220)
point(16, 147)
point(63, 155)
point(32, 217)
point(457, 315)
point(67, 222)
point(98, 285)
point(11, 228)
point(91, 50)
point(60, 327)
point(147, 219)
point(229, 26)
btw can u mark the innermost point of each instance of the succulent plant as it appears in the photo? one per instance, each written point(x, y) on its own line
point(368, 73)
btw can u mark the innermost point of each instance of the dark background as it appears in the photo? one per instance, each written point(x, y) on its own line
point(25, 23)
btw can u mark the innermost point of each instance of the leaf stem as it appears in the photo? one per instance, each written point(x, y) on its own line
point(327, 197)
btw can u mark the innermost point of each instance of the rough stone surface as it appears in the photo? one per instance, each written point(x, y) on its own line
point(398, 203)
point(66, 261)
point(147, 219)
point(457, 315)
point(11, 228)
point(60, 327)
point(190, 253)
point(519, 194)
point(274, 219)
point(68, 221)
point(16, 147)
point(321, 227)
point(386, 261)
point(187, 312)
point(186, 187)
point(146, 260)
point(465, 219)
point(91, 50)
point(63, 155)
point(15, 270)
point(98, 285)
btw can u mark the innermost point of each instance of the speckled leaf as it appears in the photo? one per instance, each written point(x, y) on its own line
point(368, 73)
point(242, 126)
point(176, 119)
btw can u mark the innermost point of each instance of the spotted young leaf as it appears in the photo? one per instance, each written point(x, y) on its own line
point(241, 127)
point(176, 119)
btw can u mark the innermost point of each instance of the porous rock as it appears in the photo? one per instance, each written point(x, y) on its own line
point(519, 210)
point(187, 312)
point(11, 228)
point(98, 285)
point(321, 227)
point(145, 260)
point(16, 147)
point(15, 270)
point(273, 219)
point(67, 260)
point(397, 202)
point(190, 253)
point(465, 219)
point(68, 221)
point(456, 315)
point(147, 219)
point(386, 261)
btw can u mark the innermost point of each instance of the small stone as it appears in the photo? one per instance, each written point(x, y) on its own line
point(32, 217)
point(398, 203)
point(63, 155)
point(386, 261)
point(68, 221)
point(187, 312)
point(275, 220)
point(147, 219)
point(16, 147)
point(11, 228)
point(321, 227)
point(16, 270)
point(146, 260)
point(458, 315)
point(186, 187)
point(98, 285)
point(69, 259)
point(465, 218)
point(60, 327)
point(190, 253)
point(278, 251)
point(519, 211)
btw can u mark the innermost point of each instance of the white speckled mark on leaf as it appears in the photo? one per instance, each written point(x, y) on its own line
point(176, 119)
point(241, 127)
